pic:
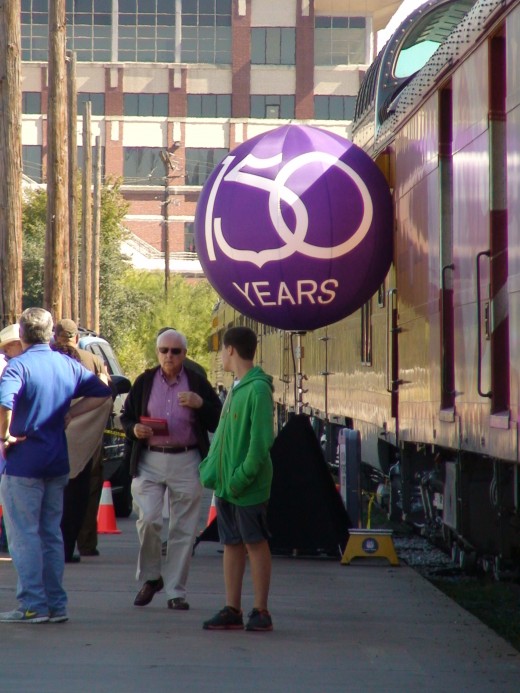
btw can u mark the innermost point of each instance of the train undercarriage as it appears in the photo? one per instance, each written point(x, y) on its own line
point(465, 503)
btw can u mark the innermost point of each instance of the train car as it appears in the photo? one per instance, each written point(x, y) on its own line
point(427, 370)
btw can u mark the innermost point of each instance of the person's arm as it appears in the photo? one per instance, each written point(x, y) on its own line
point(6, 439)
point(260, 442)
point(205, 400)
point(84, 405)
point(5, 422)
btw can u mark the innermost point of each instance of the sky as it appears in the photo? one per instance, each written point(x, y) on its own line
point(404, 10)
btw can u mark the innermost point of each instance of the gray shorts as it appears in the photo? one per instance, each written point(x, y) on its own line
point(241, 524)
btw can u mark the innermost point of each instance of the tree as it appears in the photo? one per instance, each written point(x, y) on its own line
point(187, 308)
point(132, 303)
point(118, 306)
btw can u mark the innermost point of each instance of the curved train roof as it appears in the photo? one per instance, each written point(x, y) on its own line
point(404, 70)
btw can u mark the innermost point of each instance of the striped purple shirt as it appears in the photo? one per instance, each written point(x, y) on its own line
point(163, 404)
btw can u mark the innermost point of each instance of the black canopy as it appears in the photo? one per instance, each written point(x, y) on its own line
point(306, 512)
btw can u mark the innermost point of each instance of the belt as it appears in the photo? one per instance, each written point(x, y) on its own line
point(172, 450)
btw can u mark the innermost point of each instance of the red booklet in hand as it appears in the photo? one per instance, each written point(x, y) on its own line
point(159, 426)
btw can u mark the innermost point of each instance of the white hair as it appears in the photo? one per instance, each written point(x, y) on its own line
point(172, 333)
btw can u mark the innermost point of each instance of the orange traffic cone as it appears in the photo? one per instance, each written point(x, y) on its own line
point(106, 519)
point(212, 514)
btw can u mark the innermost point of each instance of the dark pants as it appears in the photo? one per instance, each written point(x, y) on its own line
point(75, 501)
point(87, 538)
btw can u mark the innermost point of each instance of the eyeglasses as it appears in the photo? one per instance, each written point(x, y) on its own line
point(173, 350)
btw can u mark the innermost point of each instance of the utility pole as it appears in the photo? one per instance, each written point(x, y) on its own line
point(57, 166)
point(166, 226)
point(96, 226)
point(73, 185)
point(86, 223)
point(10, 163)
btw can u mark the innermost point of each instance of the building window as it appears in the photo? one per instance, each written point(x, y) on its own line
point(31, 102)
point(32, 161)
point(189, 237)
point(145, 105)
point(274, 107)
point(146, 31)
point(79, 155)
point(35, 29)
point(273, 46)
point(89, 29)
point(334, 107)
point(143, 166)
point(206, 31)
point(97, 103)
point(340, 40)
point(201, 162)
point(209, 105)
point(366, 334)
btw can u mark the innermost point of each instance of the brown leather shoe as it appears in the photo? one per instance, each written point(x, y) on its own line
point(178, 603)
point(147, 592)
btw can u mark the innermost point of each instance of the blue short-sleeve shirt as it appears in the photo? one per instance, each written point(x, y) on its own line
point(38, 387)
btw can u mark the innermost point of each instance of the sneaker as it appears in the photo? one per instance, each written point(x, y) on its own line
point(227, 618)
point(25, 616)
point(259, 619)
point(58, 617)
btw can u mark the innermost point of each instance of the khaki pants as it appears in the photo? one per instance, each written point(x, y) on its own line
point(179, 475)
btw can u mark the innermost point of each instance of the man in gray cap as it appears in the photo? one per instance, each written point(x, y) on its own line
point(82, 493)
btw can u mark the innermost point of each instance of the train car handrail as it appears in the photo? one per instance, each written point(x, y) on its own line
point(483, 253)
point(445, 387)
point(390, 384)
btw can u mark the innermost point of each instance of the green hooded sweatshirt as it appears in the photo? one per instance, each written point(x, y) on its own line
point(238, 466)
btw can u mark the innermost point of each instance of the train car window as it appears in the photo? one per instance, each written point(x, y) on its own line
point(366, 334)
point(427, 35)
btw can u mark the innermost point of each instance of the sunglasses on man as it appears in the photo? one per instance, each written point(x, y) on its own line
point(173, 350)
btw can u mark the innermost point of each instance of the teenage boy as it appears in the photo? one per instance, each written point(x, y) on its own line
point(239, 470)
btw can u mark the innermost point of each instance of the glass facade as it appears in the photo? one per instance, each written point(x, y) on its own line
point(201, 162)
point(189, 237)
point(273, 46)
point(145, 105)
point(334, 107)
point(209, 105)
point(97, 103)
point(79, 155)
point(146, 31)
point(31, 102)
point(32, 161)
point(89, 29)
point(143, 166)
point(206, 31)
point(275, 106)
point(35, 29)
point(340, 40)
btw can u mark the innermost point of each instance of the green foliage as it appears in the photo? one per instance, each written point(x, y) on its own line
point(132, 303)
point(188, 309)
point(34, 222)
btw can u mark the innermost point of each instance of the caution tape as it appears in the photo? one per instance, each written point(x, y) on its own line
point(115, 432)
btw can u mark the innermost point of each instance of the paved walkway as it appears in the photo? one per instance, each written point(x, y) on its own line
point(361, 628)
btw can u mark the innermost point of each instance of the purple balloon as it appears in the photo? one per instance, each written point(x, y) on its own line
point(294, 228)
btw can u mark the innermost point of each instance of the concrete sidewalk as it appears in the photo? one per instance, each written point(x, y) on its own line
point(357, 628)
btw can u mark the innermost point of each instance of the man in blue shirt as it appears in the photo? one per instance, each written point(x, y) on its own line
point(36, 389)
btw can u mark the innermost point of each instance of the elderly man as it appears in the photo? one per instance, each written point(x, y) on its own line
point(165, 455)
point(36, 390)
